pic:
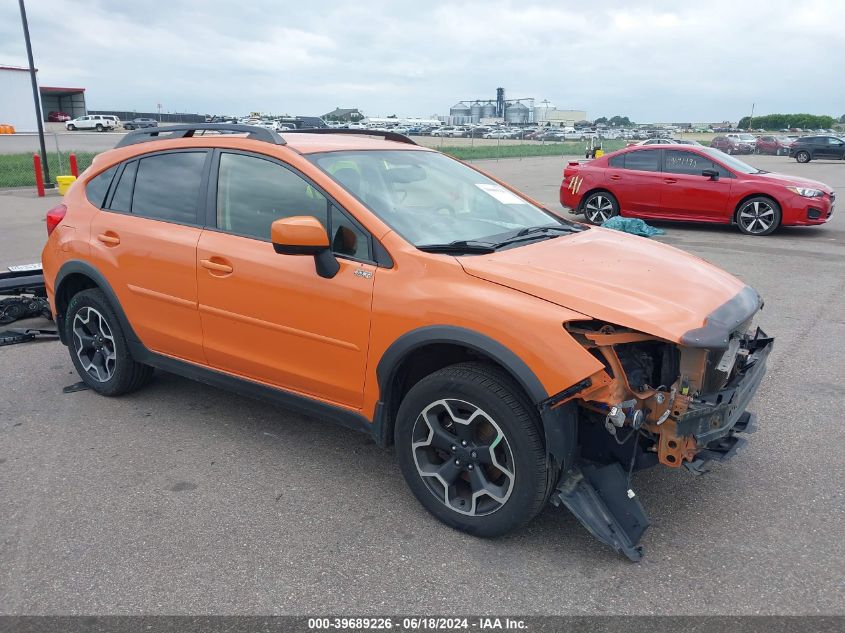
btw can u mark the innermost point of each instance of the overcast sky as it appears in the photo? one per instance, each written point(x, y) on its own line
point(652, 61)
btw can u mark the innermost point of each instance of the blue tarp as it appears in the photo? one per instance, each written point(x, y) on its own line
point(634, 226)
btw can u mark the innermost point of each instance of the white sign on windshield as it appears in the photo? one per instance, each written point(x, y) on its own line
point(500, 193)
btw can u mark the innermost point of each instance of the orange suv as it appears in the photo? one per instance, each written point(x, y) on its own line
point(512, 356)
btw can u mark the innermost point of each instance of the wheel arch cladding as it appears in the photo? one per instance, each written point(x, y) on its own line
point(600, 189)
point(425, 350)
point(75, 276)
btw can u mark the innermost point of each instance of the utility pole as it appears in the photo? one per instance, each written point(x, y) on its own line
point(38, 114)
point(751, 117)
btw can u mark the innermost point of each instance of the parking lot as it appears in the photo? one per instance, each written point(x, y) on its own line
point(184, 499)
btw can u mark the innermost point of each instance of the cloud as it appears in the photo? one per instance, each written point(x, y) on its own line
point(660, 61)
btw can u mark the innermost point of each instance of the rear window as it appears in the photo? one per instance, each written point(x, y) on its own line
point(98, 186)
point(643, 160)
point(168, 185)
point(617, 161)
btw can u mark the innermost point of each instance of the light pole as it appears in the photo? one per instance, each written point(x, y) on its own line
point(36, 100)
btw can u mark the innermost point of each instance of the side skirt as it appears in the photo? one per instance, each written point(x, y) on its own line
point(251, 389)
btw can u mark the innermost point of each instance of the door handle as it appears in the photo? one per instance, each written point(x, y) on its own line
point(109, 238)
point(669, 181)
point(217, 267)
point(615, 177)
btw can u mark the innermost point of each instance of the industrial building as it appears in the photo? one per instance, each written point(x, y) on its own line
point(511, 111)
point(17, 108)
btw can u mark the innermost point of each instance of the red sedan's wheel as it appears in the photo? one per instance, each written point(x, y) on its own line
point(758, 216)
point(599, 207)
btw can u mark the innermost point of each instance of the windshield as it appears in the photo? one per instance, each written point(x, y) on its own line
point(730, 161)
point(746, 137)
point(429, 198)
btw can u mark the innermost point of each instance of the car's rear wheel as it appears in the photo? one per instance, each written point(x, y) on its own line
point(98, 347)
point(99, 127)
point(758, 216)
point(599, 207)
point(802, 156)
point(469, 446)
point(71, 127)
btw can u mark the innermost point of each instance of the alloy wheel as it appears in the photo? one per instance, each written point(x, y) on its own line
point(463, 457)
point(599, 209)
point(94, 344)
point(756, 216)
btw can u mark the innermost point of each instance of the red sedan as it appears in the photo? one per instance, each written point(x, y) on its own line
point(694, 184)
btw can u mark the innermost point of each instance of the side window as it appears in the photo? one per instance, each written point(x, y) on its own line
point(253, 192)
point(617, 161)
point(168, 185)
point(346, 237)
point(643, 160)
point(98, 186)
point(690, 163)
point(122, 198)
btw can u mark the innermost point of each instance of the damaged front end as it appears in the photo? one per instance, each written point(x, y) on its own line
point(654, 402)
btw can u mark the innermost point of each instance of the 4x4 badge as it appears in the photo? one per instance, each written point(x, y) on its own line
point(360, 272)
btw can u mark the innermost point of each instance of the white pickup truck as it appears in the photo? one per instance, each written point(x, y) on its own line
point(99, 122)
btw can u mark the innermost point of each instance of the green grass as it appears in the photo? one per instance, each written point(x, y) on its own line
point(16, 169)
point(569, 148)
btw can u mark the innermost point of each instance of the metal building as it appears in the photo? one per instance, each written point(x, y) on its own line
point(16, 106)
point(71, 101)
point(516, 113)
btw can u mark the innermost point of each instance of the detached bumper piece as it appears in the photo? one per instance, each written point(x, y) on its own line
point(715, 420)
point(599, 498)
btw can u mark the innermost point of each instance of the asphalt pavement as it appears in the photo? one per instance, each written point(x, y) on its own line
point(184, 499)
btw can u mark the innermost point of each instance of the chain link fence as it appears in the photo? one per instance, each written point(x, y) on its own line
point(16, 152)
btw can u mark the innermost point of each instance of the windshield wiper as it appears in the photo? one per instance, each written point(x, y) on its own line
point(539, 229)
point(534, 233)
point(459, 247)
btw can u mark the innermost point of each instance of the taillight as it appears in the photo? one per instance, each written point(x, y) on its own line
point(55, 217)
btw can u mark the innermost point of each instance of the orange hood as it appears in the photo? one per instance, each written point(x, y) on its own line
point(614, 277)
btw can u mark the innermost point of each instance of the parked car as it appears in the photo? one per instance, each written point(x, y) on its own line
point(140, 122)
point(114, 118)
point(732, 145)
point(98, 122)
point(808, 148)
point(697, 184)
point(775, 145)
point(443, 130)
point(493, 410)
point(498, 134)
point(55, 116)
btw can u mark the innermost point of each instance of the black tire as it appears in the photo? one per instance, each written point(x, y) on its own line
point(600, 206)
point(71, 128)
point(128, 127)
point(507, 413)
point(803, 156)
point(125, 374)
point(99, 127)
point(758, 216)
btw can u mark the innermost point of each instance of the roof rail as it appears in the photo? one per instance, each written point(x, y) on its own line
point(168, 132)
point(388, 136)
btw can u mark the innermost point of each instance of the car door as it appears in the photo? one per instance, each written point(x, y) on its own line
point(85, 123)
point(830, 147)
point(144, 241)
point(686, 194)
point(271, 317)
point(634, 178)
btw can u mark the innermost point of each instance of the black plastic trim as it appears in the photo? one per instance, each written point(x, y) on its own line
point(440, 334)
point(720, 323)
point(169, 132)
point(23, 281)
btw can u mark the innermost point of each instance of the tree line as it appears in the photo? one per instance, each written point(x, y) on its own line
point(787, 121)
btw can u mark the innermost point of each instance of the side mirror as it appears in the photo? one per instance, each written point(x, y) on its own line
point(304, 235)
point(712, 174)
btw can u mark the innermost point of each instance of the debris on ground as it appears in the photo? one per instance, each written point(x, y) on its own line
point(634, 226)
point(17, 308)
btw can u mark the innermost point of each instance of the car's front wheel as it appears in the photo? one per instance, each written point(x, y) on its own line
point(758, 216)
point(71, 127)
point(98, 347)
point(600, 207)
point(802, 156)
point(469, 446)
